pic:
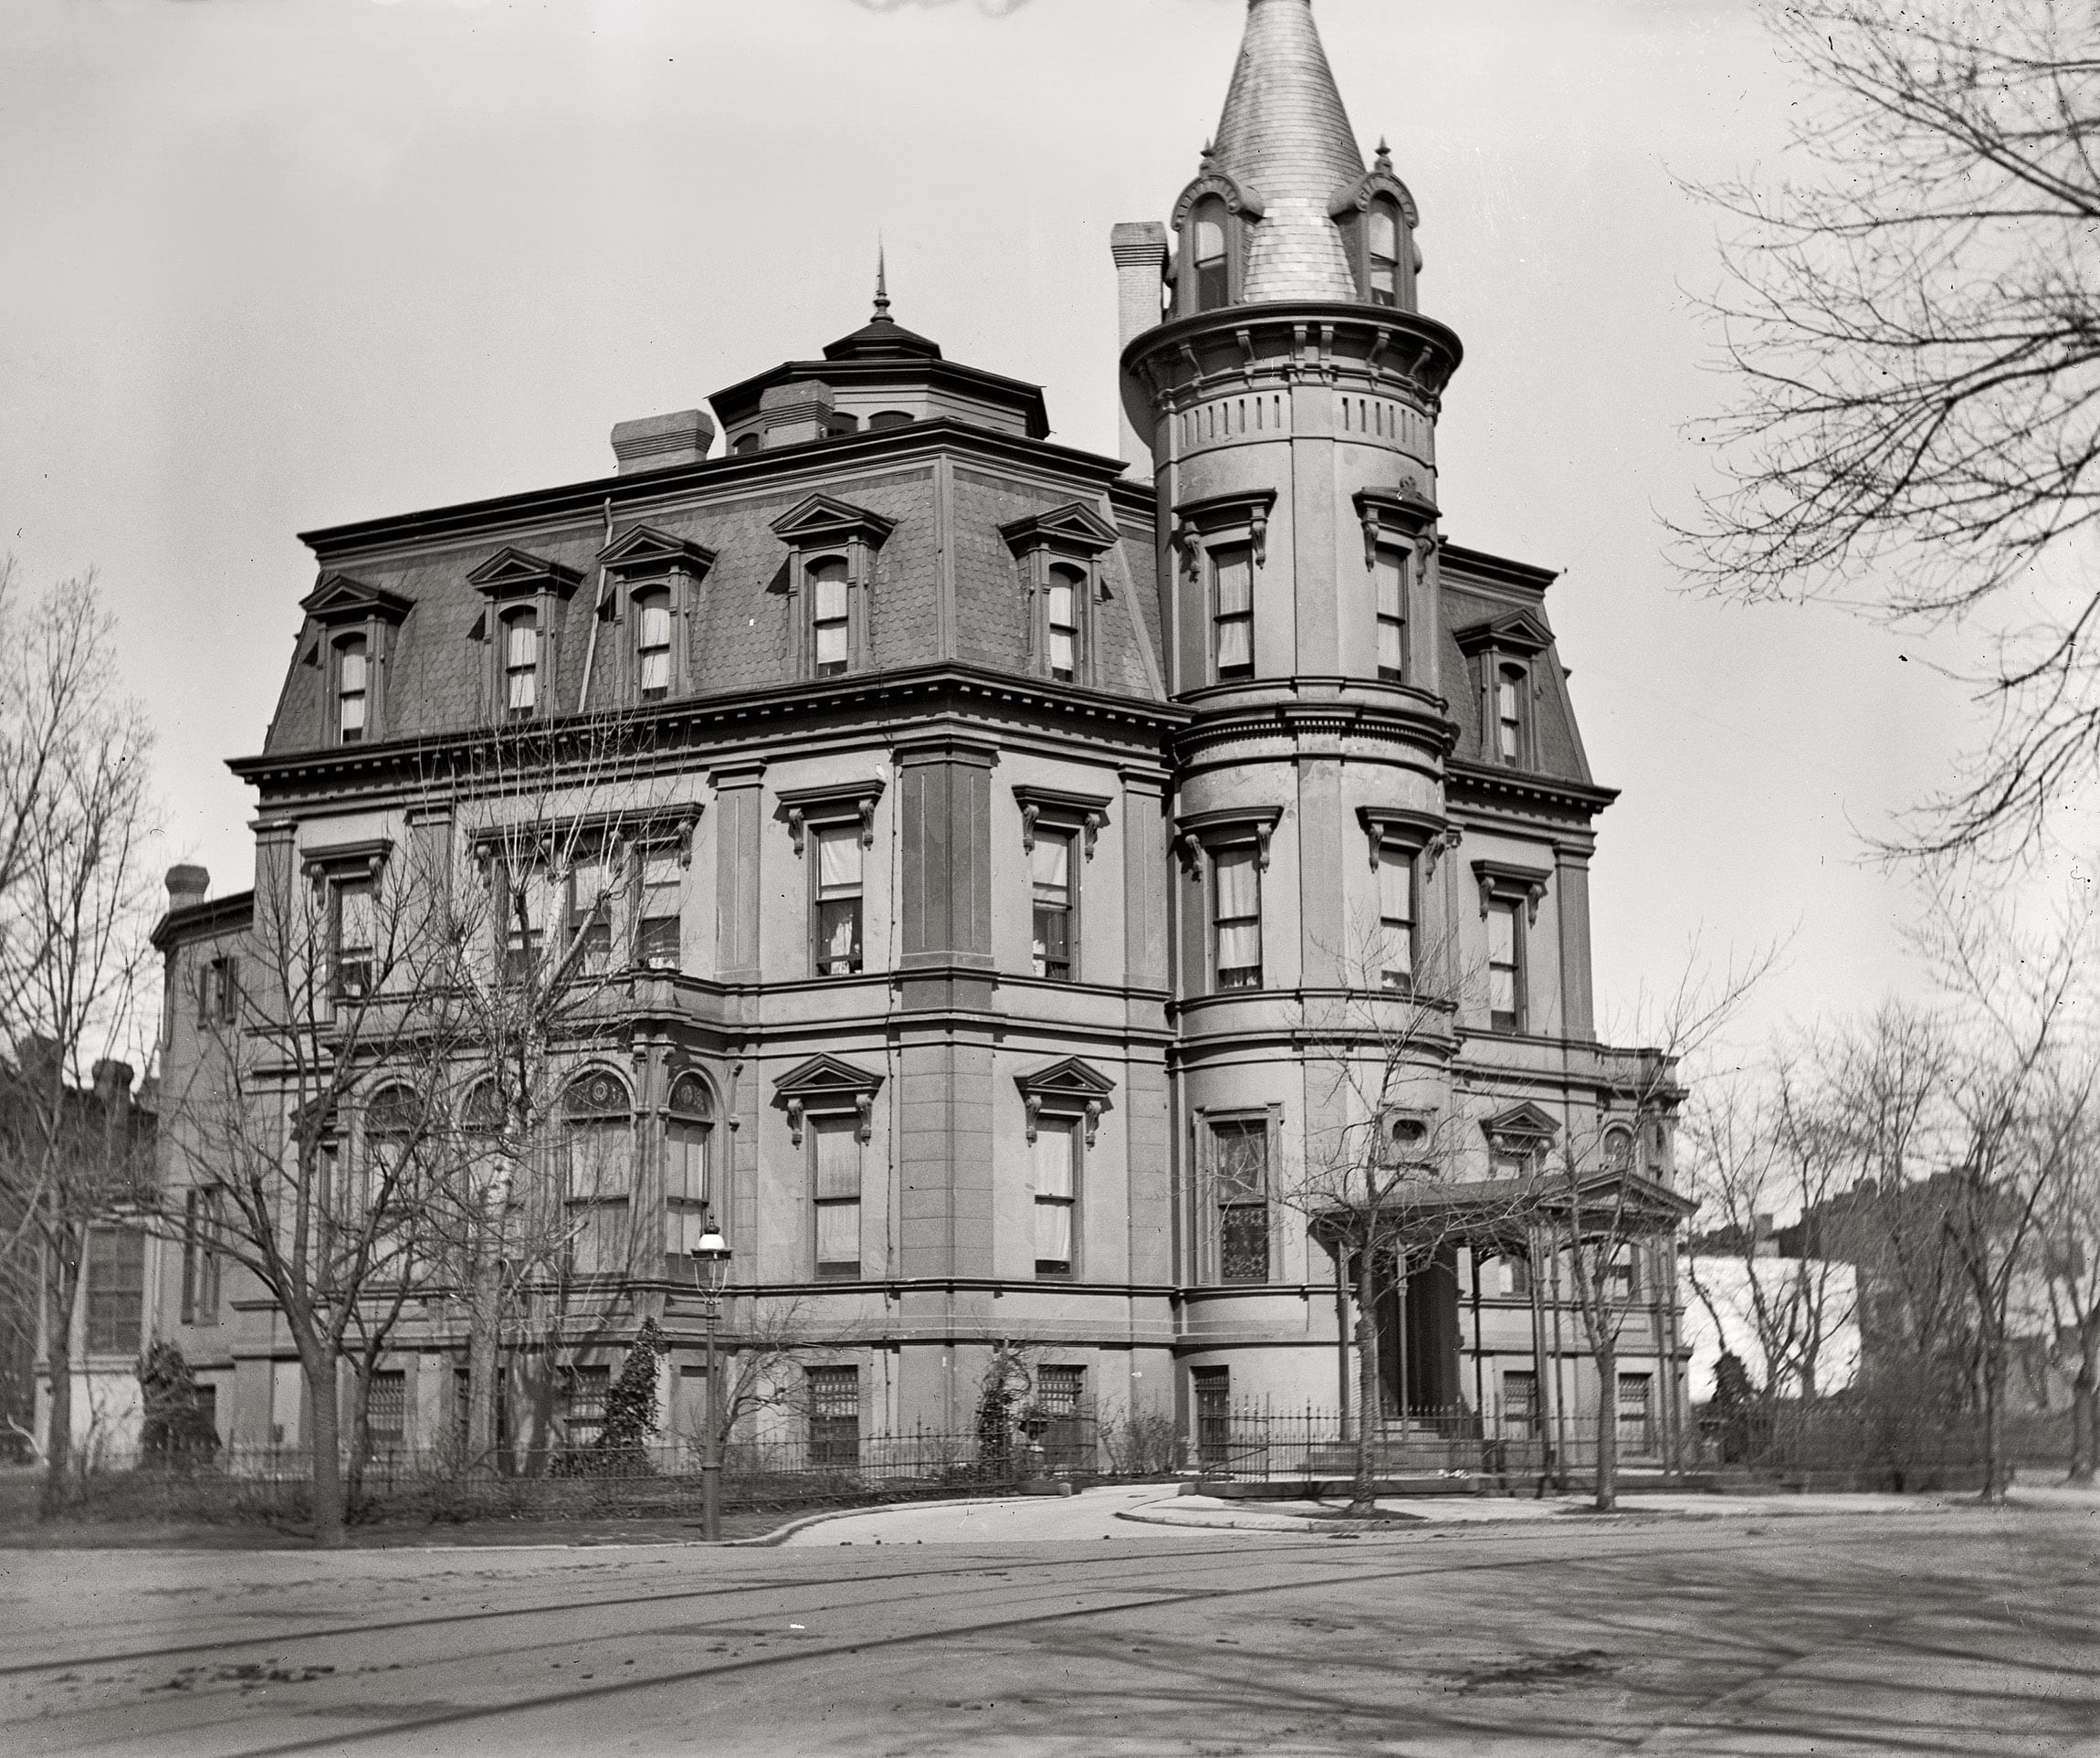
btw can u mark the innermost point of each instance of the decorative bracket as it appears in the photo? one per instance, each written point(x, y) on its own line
point(1498, 878)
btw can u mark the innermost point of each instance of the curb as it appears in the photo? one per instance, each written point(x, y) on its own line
point(780, 1534)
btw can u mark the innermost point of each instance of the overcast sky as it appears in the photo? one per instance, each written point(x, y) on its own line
point(274, 264)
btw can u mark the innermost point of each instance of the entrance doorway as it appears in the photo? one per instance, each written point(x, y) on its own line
point(1418, 1338)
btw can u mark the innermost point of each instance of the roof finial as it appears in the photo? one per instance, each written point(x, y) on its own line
point(1384, 155)
point(881, 283)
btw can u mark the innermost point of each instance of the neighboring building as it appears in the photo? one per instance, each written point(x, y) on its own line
point(1007, 819)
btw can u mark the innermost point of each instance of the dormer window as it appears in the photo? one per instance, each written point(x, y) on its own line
point(883, 420)
point(352, 685)
point(1385, 253)
point(830, 622)
point(749, 442)
point(653, 643)
point(1509, 681)
point(520, 665)
point(1213, 257)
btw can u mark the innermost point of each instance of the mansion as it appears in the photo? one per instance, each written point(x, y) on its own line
point(1004, 874)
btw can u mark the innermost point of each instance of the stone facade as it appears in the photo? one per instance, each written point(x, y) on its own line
point(1240, 685)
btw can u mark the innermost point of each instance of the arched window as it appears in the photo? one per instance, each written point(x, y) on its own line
point(598, 1128)
point(1066, 584)
point(839, 423)
point(882, 420)
point(1619, 1149)
point(1213, 257)
point(829, 620)
point(520, 664)
point(686, 1129)
point(748, 444)
point(1385, 253)
point(352, 689)
point(653, 643)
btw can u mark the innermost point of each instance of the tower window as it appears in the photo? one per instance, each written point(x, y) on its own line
point(1236, 917)
point(1050, 869)
point(829, 618)
point(1232, 573)
point(520, 664)
point(1213, 274)
point(1395, 916)
point(1389, 577)
point(653, 644)
point(1509, 714)
point(352, 689)
point(1384, 254)
point(1504, 967)
point(1065, 584)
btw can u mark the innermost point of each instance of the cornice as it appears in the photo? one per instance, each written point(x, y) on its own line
point(197, 920)
point(1480, 783)
point(1419, 722)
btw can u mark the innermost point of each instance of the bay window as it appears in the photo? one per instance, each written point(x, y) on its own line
point(1240, 1179)
point(1395, 961)
point(1236, 916)
point(1233, 613)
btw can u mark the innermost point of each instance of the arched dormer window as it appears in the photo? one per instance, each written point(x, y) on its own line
point(882, 420)
point(749, 442)
point(520, 663)
point(1211, 248)
point(352, 686)
point(653, 643)
point(1384, 243)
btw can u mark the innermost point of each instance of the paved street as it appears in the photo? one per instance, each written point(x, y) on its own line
point(1928, 1631)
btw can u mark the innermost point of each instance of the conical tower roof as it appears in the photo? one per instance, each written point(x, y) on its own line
point(1286, 135)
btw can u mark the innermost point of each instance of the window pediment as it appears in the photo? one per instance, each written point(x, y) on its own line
point(1087, 812)
point(1357, 197)
point(1524, 1128)
point(339, 598)
point(646, 552)
point(829, 804)
point(1195, 831)
point(1401, 517)
point(1505, 879)
point(513, 572)
point(1074, 529)
point(820, 520)
point(1242, 199)
point(823, 1083)
point(362, 860)
point(1518, 631)
point(1067, 1087)
point(1225, 519)
point(1424, 831)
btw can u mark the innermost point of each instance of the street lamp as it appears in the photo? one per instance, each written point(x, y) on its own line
point(711, 1266)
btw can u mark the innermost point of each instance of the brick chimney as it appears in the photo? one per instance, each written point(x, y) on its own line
point(661, 442)
point(187, 885)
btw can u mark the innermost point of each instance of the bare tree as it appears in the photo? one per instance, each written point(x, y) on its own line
point(74, 911)
point(2071, 1266)
point(1913, 331)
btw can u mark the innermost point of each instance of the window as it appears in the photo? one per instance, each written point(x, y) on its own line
point(352, 689)
point(653, 643)
point(1384, 254)
point(1622, 1274)
point(1066, 584)
point(883, 420)
point(201, 1222)
point(1050, 873)
point(386, 1407)
point(1058, 1422)
point(598, 1127)
point(219, 993)
point(356, 937)
point(749, 442)
point(1233, 580)
point(116, 1275)
point(1505, 967)
point(834, 1416)
point(1520, 1404)
point(838, 424)
point(1634, 1406)
point(1509, 714)
point(1212, 1387)
point(1240, 1156)
point(1388, 574)
point(523, 902)
point(1236, 917)
point(1214, 271)
point(1395, 916)
point(392, 1125)
point(657, 913)
point(834, 1155)
point(838, 897)
point(1057, 1194)
point(584, 1392)
point(829, 618)
point(686, 1129)
point(590, 917)
point(1507, 1277)
point(520, 665)
point(1619, 1149)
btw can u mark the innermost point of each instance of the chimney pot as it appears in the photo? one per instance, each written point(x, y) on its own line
point(188, 884)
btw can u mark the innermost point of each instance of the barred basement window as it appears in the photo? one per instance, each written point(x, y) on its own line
point(1520, 1404)
point(584, 1392)
point(1241, 1161)
point(386, 1407)
point(834, 1394)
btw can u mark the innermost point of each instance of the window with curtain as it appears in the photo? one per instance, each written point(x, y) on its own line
point(687, 1127)
point(1505, 967)
point(1388, 575)
point(116, 1277)
point(520, 664)
point(1057, 1141)
point(1236, 916)
point(1509, 714)
point(1214, 274)
point(834, 1157)
point(830, 620)
point(356, 936)
point(653, 643)
point(1385, 253)
point(839, 899)
point(598, 1132)
point(1395, 916)
point(1062, 613)
point(590, 916)
point(1233, 582)
point(352, 689)
point(1050, 875)
point(1240, 1161)
point(657, 910)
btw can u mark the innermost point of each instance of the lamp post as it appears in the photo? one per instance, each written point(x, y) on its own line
point(711, 1264)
